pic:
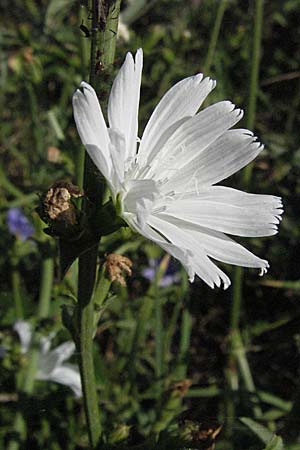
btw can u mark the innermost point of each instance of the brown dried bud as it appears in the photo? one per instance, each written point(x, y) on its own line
point(181, 387)
point(57, 202)
point(117, 267)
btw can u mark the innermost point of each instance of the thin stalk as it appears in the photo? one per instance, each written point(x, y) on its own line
point(88, 261)
point(9, 186)
point(26, 199)
point(46, 286)
point(214, 36)
point(239, 352)
point(184, 345)
point(235, 313)
point(159, 341)
point(254, 79)
point(16, 283)
point(250, 121)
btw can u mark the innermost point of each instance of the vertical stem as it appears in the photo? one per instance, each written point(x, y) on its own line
point(94, 37)
point(46, 285)
point(86, 280)
point(255, 63)
point(16, 282)
point(250, 121)
point(107, 45)
point(158, 340)
point(238, 273)
point(214, 36)
point(185, 337)
point(88, 261)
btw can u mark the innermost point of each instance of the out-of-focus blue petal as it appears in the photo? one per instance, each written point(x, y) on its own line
point(18, 224)
point(170, 277)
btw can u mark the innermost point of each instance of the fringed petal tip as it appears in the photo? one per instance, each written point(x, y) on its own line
point(85, 85)
point(199, 78)
point(218, 278)
point(138, 57)
point(264, 268)
point(139, 53)
point(222, 281)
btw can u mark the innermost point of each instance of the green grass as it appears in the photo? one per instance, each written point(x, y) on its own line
point(147, 337)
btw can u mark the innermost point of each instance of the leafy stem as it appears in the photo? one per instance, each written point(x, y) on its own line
point(103, 42)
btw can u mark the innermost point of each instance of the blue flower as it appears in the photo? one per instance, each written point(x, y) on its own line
point(170, 276)
point(18, 224)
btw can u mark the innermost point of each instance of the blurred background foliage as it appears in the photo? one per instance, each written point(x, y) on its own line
point(150, 337)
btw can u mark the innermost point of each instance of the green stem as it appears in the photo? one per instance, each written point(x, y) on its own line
point(250, 121)
point(214, 36)
point(26, 199)
point(159, 342)
point(184, 346)
point(107, 44)
point(86, 280)
point(16, 283)
point(46, 285)
point(9, 186)
point(235, 314)
point(87, 262)
point(239, 352)
point(254, 86)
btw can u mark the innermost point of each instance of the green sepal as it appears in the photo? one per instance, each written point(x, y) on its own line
point(106, 220)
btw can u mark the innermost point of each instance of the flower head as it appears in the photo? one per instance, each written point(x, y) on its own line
point(164, 184)
point(51, 363)
point(18, 224)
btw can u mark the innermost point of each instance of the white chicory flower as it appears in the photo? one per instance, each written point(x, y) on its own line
point(163, 184)
point(51, 363)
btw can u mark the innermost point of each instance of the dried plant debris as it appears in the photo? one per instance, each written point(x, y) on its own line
point(117, 267)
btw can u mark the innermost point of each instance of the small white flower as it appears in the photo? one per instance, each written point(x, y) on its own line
point(163, 185)
point(51, 365)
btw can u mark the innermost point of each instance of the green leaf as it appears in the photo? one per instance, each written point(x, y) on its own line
point(275, 444)
point(261, 431)
point(272, 441)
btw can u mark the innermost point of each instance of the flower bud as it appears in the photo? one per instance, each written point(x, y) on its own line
point(58, 210)
point(117, 266)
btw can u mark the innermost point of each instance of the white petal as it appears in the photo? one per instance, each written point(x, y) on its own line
point(200, 263)
point(220, 247)
point(45, 343)
point(195, 135)
point(91, 126)
point(116, 147)
point(124, 101)
point(47, 362)
point(24, 330)
point(68, 375)
point(225, 156)
point(139, 198)
point(229, 211)
point(180, 253)
point(63, 352)
point(182, 100)
point(149, 170)
point(100, 160)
